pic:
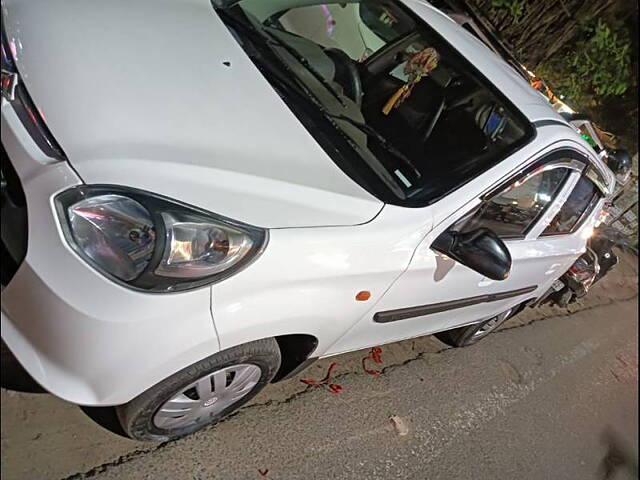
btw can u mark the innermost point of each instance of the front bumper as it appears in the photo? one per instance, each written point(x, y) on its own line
point(81, 336)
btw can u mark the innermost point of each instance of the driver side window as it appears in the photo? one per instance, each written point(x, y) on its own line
point(513, 211)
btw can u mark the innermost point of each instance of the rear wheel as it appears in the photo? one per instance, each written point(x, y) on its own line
point(464, 336)
point(202, 394)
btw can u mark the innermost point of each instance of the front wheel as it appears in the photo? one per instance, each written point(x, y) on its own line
point(202, 394)
point(464, 336)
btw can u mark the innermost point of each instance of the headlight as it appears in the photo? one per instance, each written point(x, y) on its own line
point(153, 243)
point(114, 232)
point(197, 246)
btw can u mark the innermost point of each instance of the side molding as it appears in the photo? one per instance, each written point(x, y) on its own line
point(410, 312)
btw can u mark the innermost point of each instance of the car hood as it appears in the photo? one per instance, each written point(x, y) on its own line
point(158, 95)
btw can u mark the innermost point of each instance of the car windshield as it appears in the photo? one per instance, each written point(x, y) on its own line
point(395, 106)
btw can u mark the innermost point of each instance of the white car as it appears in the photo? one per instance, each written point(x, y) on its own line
point(199, 199)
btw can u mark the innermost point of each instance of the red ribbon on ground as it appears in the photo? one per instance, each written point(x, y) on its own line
point(331, 387)
point(375, 355)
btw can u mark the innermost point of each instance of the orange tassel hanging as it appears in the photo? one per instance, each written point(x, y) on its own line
point(394, 99)
point(418, 65)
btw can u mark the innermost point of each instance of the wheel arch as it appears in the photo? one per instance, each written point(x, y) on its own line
point(295, 351)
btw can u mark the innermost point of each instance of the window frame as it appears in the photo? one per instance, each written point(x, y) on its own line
point(570, 159)
point(591, 206)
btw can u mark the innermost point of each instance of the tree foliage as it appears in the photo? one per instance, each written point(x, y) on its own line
point(515, 8)
point(536, 30)
point(596, 66)
point(586, 49)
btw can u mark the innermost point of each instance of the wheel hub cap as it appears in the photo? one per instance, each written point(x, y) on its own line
point(492, 324)
point(208, 396)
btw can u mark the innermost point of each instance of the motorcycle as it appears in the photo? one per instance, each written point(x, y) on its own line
point(599, 258)
point(597, 261)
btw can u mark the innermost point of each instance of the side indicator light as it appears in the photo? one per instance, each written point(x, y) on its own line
point(363, 296)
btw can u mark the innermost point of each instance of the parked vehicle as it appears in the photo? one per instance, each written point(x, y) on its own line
point(598, 260)
point(199, 200)
point(617, 159)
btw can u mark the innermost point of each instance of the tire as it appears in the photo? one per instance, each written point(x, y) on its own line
point(465, 336)
point(196, 400)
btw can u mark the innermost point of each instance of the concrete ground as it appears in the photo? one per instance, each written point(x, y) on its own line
point(553, 394)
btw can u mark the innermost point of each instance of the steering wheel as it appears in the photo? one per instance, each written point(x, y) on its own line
point(347, 74)
point(428, 127)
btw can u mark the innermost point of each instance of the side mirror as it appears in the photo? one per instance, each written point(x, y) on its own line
point(480, 250)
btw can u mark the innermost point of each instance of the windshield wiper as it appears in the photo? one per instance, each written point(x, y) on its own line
point(382, 141)
point(258, 41)
point(293, 85)
point(302, 60)
point(263, 36)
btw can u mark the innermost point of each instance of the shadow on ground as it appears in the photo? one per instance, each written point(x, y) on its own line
point(14, 377)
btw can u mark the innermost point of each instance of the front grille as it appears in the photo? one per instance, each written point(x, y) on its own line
point(13, 220)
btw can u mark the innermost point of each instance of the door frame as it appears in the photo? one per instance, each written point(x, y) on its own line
point(563, 157)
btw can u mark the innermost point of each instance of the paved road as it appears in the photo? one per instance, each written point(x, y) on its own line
point(552, 400)
point(546, 397)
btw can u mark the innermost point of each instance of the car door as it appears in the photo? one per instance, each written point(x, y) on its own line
point(436, 293)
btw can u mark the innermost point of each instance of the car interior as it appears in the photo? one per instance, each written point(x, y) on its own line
point(449, 125)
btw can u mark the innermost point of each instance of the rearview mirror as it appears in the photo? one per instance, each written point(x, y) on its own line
point(481, 250)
